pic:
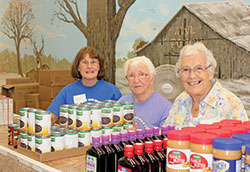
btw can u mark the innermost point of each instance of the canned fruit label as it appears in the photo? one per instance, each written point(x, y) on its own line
point(128, 112)
point(64, 115)
point(226, 165)
point(31, 142)
point(178, 158)
point(83, 121)
point(43, 144)
point(200, 162)
point(43, 124)
point(72, 118)
point(24, 120)
point(96, 118)
point(107, 117)
point(117, 129)
point(117, 115)
point(57, 142)
point(127, 125)
point(107, 131)
point(24, 139)
point(84, 138)
point(71, 140)
point(31, 122)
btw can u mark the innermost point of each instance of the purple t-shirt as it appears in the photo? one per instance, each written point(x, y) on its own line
point(153, 111)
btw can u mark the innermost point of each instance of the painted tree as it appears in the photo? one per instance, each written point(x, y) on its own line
point(16, 24)
point(102, 28)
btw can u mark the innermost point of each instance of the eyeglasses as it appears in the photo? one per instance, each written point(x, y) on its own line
point(91, 62)
point(140, 75)
point(197, 69)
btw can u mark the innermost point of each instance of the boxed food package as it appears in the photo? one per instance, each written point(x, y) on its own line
point(32, 100)
point(55, 77)
point(18, 91)
point(6, 110)
point(48, 93)
point(17, 80)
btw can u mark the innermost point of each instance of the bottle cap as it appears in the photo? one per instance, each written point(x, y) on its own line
point(96, 141)
point(128, 150)
point(149, 147)
point(148, 132)
point(165, 143)
point(105, 139)
point(139, 133)
point(138, 148)
point(156, 131)
point(114, 138)
point(157, 145)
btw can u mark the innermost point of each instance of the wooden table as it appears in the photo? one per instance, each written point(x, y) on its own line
point(73, 164)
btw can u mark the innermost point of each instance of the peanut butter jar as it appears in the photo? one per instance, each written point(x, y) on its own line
point(178, 151)
point(226, 155)
point(247, 158)
point(201, 157)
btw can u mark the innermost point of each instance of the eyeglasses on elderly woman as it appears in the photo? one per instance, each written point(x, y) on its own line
point(140, 75)
point(197, 69)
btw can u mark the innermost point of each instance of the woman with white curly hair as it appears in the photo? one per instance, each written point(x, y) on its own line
point(204, 100)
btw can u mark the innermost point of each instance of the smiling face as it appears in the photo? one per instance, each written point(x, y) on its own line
point(197, 84)
point(89, 67)
point(140, 81)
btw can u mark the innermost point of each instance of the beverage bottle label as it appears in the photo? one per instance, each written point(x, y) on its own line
point(123, 169)
point(91, 163)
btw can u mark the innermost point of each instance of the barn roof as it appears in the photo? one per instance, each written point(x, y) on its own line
point(230, 19)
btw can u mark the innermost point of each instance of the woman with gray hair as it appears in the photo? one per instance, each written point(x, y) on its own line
point(150, 107)
point(204, 100)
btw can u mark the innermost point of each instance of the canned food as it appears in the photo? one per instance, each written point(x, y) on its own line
point(107, 116)
point(64, 115)
point(83, 121)
point(24, 140)
point(128, 112)
point(43, 144)
point(83, 138)
point(117, 114)
point(16, 136)
point(11, 133)
point(72, 116)
point(31, 142)
point(24, 119)
point(96, 117)
point(71, 139)
point(31, 120)
point(55, 127)
point(57, 141)
point(117, 128)
point(127, 125)
point(43, 123)
point(107, 131)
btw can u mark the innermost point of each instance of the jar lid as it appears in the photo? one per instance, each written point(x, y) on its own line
point(231, 121)
point(220, 124)
point(245, 138)
point(202, 138)
point(248, 149)
point(220, 132)
point(194, 129)
point(178, 135)
point(236, 130)
point(227, 144)
point(207, 126)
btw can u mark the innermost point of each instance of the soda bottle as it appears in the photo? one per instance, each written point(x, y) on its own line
point(148, 134)
point(131, 137)
point(149, 154)
point(160, 155)
point(139, 136)
point(128, 162)
point(139, 156)
point(95, 157)
point(156, 135)
point(116, 146)
point(109, 154)
point(123, 139)
point(164, 131)
point(165, 144)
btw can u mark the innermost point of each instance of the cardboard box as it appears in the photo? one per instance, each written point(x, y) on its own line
point(18, 91)
point(55, 77)
point(6, 110)
point(19, 104)
point(44, 104)
point(50, 156)
point(48, 93)
point(17, 80)
point(32, 100)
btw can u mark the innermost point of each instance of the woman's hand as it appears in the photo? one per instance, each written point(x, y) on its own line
point(135, 126)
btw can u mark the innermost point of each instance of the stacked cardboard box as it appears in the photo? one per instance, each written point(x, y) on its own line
point(18, 92)
point(6, 110)
point(50, 84)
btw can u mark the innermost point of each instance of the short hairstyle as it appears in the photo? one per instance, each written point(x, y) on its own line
point(93, 53)
point(133, 62)
point(196, 48)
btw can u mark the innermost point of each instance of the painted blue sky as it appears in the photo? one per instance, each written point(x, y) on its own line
point(145, 19)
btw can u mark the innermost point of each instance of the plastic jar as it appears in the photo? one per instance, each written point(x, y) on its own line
point(226, 155)
point(245, 139)
point(178, 151)
point(201, 157)
point(247, 158)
